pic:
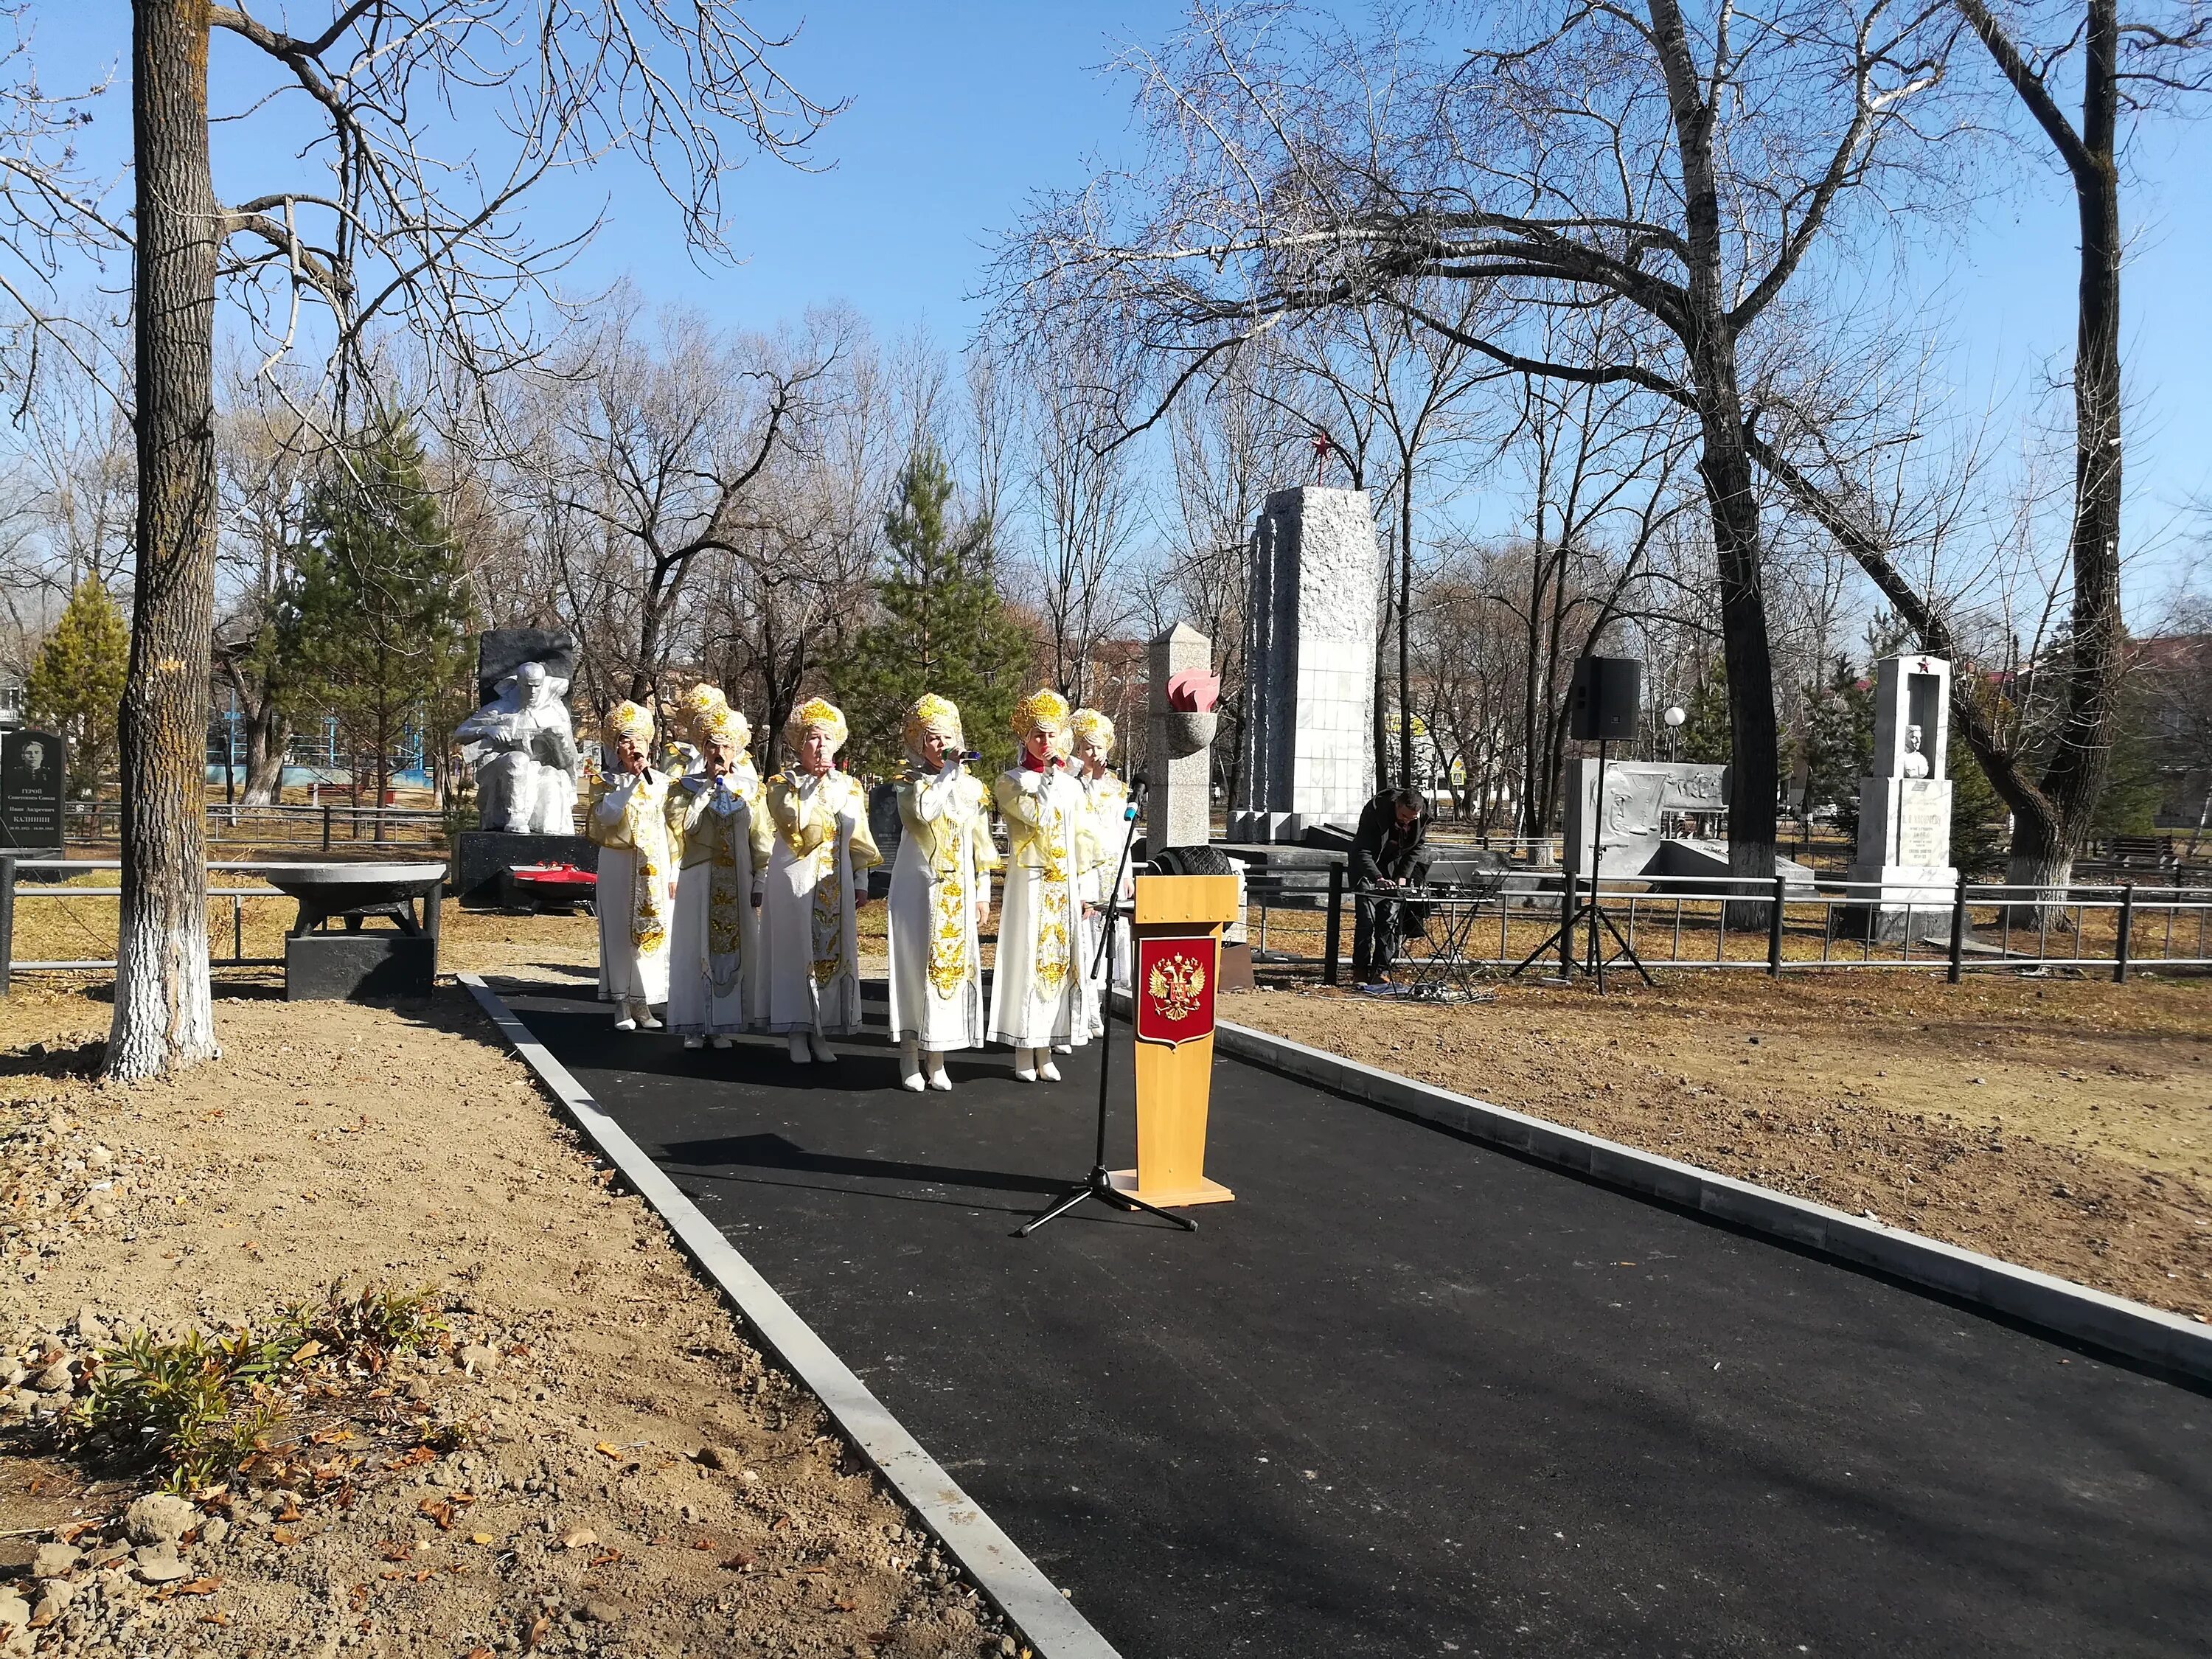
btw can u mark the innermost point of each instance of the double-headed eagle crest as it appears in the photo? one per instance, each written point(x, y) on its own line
point(1176, 985)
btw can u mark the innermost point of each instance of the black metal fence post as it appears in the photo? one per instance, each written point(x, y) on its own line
point(7, 917)
point(1957, 933)
point(327, 826)
point(1567, 908)
point(1774, 928)
point(2127, 932)
point(1332, 928)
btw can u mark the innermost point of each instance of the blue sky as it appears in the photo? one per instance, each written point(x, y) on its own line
point(959, 111)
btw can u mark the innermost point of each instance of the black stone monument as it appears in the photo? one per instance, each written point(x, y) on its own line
point(33, 765)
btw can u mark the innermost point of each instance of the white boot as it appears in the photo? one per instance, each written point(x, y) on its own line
point(937, 1079)
point(646, 1022)
point(910, 1075)
point(719, 1041)
point(1026, 1070)
point(695, 1041)
point(1046, 1069)
point(624, 1020)
point(1063, 1047)
point(823, 1053)
point(798, 1054)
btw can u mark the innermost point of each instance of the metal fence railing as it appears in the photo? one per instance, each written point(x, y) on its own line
point(1299, 918)
point(327, 824)
point(57, 880)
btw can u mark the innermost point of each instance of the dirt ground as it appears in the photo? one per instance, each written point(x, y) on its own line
point(403, 1145)
point(2065, 1125)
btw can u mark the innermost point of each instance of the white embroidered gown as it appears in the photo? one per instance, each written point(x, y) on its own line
point(631, 896)
point(1036, 992)
point(720, 836)
point(808, 934)
point(942, 869)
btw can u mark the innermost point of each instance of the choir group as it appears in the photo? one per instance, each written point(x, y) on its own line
point(733, 902)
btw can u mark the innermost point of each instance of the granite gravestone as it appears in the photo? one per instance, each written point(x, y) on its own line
point(1310, 666)
point(1904, 851)
point(33, 765)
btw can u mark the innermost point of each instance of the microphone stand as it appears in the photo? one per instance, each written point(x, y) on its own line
point(1099, 1184)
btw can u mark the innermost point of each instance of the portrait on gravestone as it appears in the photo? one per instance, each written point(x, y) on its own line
point(32, 766)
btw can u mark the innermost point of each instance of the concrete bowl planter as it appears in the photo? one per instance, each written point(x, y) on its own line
point(1188, 732)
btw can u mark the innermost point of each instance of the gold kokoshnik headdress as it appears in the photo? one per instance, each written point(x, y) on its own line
point(698, 703)
point(1093, 728)
point(633, 720)
point(1044, 707)
point(724, 725)
point(816, 714)
point(931, 713)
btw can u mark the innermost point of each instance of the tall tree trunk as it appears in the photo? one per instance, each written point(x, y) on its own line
point(1726, 467)
point(163, 1019)
point(2045, 842)
point(1405, 623)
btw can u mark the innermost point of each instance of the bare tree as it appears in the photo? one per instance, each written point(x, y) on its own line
point(1684, 164)
point(2117, 67)
point(1087, 513)
point(376, 231)
point(660, 444)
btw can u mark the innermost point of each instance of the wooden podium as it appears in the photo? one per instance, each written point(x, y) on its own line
point(1176, 961)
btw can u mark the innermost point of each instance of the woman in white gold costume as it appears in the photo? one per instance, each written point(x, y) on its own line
point(717, 831)
point(1107, 800)
point(813, 894)
point(626, 821)
point(941, 893)
point(1037, 984)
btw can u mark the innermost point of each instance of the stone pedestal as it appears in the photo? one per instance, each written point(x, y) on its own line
point(482, 857)
point(1309, 664)
point(349, 966)
point(1904, 848)
point(1179, 805)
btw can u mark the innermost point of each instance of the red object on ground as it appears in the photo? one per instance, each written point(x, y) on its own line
point(551, 876)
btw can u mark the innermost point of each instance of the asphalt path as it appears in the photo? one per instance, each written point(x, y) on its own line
point(1409, 1395)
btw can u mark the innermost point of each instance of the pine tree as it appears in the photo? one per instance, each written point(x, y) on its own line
point(944, 628)
point(1838, 745)
point(371, 624)
point(76, 687)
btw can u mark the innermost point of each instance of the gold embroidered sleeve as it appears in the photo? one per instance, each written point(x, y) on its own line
point(979, 835)
point(865, 854)
point(759, 830)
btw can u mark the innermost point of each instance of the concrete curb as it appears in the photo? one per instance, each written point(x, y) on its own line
point(2059, 1306)
point(1013, 1582)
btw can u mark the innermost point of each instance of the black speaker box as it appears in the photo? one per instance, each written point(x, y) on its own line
point(1604, 699)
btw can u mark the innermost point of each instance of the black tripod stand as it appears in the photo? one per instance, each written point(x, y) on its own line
point(1098, 1183)
point(1591, 910)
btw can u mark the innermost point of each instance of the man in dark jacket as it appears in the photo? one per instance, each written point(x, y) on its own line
point(1386, 864)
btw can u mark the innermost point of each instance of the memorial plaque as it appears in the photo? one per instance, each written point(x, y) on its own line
point(1923, 829)
point(32, 767)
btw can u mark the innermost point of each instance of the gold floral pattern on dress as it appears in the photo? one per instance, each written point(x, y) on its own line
point(828, 927)
point(1052, 949)
point(727, 897)
point(948, 934)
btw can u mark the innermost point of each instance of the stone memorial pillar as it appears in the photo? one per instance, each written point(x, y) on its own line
point(1310, 666)
point(1178, 749)
point(1904, 808)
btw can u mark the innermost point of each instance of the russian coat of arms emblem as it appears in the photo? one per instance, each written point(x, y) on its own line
point(1177, 986)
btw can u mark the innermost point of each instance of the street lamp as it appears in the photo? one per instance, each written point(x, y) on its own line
point(1674, 716)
